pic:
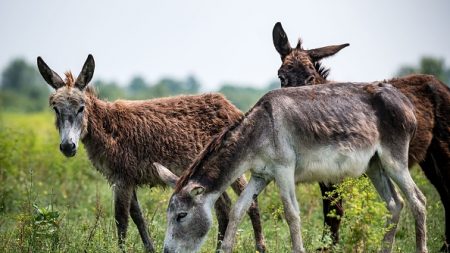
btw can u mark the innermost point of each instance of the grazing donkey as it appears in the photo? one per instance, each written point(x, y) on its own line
point(301, 134)
point(123, 138)
point(431, 98)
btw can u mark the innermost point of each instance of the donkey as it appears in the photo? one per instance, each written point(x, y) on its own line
point(301, 134)
point(123, 138)
point(430, 147)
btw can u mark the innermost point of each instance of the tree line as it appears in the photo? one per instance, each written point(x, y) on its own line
point(22, 88)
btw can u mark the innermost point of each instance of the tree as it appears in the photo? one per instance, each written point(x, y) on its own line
point(138, 88)
point(428, 65)
point(245, 97)
point(109, 90)
point(23, 88)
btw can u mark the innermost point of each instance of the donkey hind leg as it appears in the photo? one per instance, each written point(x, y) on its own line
point(122, 201)
point(238, 186)
point(393, 200)
point(398, 171)
point(436, 166)
point(332, 203)
point(138, 219)
point(286, 183)
point(254, 187)
point(222, 207)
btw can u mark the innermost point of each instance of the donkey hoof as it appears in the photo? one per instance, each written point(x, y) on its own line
point(323, 250)
point(261, 248)
point(445, 248)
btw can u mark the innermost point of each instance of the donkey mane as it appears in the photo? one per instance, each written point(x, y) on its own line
point(215, 144)
point(212, 146)
point(69, 80)
point(321, 70)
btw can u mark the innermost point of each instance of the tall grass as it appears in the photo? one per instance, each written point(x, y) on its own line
point(49, 203)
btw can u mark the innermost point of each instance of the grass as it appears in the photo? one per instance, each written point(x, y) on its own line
point(49, 203)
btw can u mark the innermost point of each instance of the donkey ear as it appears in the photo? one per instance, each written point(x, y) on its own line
point(196, 190)
point(166, 175)
point(280, 40)
point(49, 75)
point(86, 73)
point(319, 53)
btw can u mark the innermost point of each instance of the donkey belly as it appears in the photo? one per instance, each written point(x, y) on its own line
point(331, 165)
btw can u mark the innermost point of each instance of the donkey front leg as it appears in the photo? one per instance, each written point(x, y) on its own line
point(138, 219)
point(122, 201)
point(254, 187)
point(253, 212)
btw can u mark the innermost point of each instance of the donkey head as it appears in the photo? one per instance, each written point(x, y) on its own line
point(301, 67)
point(189, 215)
point(68, 102)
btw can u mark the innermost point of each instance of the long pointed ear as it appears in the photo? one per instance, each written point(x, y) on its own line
point(195, 190)
point(280, 40)
point(49, 75)
point(319, 53)
point(86, 73)
point(166, 175)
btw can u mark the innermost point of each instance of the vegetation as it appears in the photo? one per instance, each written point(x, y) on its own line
point(428, 65)
point(49, 203)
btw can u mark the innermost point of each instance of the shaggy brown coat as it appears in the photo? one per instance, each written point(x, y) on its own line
point(123, 139)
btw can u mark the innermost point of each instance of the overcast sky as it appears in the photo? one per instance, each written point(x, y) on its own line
point(221, 41)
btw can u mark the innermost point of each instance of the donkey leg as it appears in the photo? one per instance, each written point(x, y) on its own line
point(286, 184)
point(253, 212)
point(122, 201)
point(138, 219)
point(332, 203)
point(222, 207)
point(254, 187)
point(435, 166)
point(416, 199)
point(394, 202)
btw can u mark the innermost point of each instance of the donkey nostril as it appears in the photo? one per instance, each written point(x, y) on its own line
point(61, 147)
point(72, 145)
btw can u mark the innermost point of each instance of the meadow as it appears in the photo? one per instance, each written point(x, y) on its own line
point(49, 203)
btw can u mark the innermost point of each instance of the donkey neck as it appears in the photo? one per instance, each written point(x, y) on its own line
point(95, 119)
point(224, 159)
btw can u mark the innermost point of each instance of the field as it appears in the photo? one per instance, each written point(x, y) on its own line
point(49, 203)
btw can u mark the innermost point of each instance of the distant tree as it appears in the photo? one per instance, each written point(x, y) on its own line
point(169, 86)
point(428, 65)
point(245, 97)
point(22, 88)
point(138, 89)
point(109, 90)
point(192, 84)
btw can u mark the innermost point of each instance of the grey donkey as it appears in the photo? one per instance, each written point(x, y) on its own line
point(301, 134)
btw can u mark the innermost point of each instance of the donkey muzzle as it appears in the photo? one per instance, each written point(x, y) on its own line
point(68, 148)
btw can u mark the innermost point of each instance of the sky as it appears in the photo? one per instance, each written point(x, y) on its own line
point(221, 41)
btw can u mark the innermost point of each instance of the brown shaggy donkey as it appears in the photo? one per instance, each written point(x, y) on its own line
point(431, 146)
point(124, 138)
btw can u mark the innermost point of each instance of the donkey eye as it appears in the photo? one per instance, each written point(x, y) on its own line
point(180, 216)
point(56, 110)
point(81, 109)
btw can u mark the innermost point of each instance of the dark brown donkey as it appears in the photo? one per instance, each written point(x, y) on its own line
point(431, 146)
point(124, 138)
